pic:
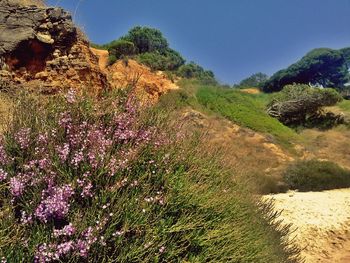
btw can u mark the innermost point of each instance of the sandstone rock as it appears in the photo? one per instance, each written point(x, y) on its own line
point(40, 47)
point(45, 38)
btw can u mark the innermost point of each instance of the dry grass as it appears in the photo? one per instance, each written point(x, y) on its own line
point(6, 106)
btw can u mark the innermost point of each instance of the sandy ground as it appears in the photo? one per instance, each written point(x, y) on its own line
point(321, 223)
point(102, 58)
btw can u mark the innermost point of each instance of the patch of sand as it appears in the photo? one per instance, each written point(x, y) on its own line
point(102, 58)
point(321, 223)
point(251, 91)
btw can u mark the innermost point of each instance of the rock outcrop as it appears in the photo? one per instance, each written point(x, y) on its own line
point(41, 48)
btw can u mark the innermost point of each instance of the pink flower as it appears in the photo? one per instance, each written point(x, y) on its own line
point(56, 204)
point(71, 96)
point(22, 137)
point(17, 185)
point(68, 230)
point(3, 175)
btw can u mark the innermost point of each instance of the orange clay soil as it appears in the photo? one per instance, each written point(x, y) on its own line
point(129, 73)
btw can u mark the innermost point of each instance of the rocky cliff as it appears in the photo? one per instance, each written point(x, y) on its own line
point(41, 48)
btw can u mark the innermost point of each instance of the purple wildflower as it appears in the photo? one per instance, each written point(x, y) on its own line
point(68, 230)
point(71, 96)
point(22, 137)
point(17, 185)
point(63, 151)
point(3, 175)
point(56, 204)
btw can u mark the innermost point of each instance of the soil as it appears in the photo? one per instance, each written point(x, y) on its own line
point(320, 221)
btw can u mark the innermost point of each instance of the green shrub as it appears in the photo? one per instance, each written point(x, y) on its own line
point(104, 180)
point(121, 48)
point(194, 71)
point(169, 60)
point(315, 175)
point(300, 104)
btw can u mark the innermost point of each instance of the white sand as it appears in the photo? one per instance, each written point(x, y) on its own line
point(321, 221)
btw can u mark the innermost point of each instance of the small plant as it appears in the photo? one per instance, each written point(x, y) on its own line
point(315, 175)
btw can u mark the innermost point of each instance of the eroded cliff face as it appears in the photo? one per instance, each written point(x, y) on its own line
point(41, 48)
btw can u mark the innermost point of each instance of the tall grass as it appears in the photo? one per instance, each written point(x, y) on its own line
point(103, 180)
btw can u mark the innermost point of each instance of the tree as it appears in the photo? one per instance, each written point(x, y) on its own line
point(296, 103)
point(256, 80)
point(324, 67)
point(193, 70)
point(169, 60)
point(147, 39)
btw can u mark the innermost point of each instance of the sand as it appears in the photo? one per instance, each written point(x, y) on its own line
point(321, 223)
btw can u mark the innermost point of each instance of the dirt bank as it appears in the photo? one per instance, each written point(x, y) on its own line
point(321, 221)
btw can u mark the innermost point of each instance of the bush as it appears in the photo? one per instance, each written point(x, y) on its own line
point(256, 80)
point(315, 175)
point(121, 48)
point(170, 60)
point(297, 104)
point(194, 71)
point(86, 179)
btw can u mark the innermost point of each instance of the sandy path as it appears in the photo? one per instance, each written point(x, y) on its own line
point(102, 57)
point(321, 221)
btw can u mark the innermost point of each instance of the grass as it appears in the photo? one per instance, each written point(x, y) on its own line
point(246, 110)
point(345, 106)
point(315, 175)
point(135, 191)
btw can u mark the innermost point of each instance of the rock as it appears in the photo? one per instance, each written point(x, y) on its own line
point(24, 23)
point(45, 38)
point(40, 46)
point(42, 75)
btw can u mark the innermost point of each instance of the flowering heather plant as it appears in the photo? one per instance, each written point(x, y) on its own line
point(100, 180)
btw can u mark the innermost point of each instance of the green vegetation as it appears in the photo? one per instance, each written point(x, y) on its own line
point(345, 105)
point(301, 104)
point(118, 49)
point(315, 175)
point(256, 80)
point(149, 47)
point(169, 60)
point(322, 66)
point(194, 71)
point(246, 110)
point(99, 180)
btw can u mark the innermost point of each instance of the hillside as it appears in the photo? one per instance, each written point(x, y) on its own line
point(126, 152)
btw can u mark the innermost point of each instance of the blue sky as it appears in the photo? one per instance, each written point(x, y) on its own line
point(234, 38)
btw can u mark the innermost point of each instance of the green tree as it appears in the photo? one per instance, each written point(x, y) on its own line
point(147, 39)
point(324, 66)
point(256, 80)
point(169, 60)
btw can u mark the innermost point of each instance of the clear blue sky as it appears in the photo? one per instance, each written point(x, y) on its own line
point(234, 38)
